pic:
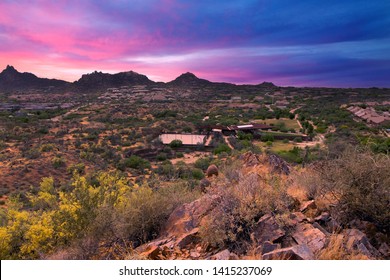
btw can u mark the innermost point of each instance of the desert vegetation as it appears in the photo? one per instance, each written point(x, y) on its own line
point(91, 179)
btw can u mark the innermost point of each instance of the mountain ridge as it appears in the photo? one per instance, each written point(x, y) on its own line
point(11, 80)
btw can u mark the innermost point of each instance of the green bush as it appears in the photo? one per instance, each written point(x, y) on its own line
point(134, 162)
point(267, 137)
point(78, 168)
point(176, 144)
point(179, 155)
point(58, 161)
point(202, 163)
point(47, 148)
point(197, 174)
point(298, 139)
point(143, 212)
point(161, 156)
point(222, 148)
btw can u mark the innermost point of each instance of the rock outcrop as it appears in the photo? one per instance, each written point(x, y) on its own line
point(303, 234)
point(212, 170)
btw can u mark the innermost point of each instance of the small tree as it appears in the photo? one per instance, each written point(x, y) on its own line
point(176, 144)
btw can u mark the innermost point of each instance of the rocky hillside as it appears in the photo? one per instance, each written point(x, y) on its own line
point(224, 223)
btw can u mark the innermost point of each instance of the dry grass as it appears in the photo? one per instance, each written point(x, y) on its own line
point(336, 251)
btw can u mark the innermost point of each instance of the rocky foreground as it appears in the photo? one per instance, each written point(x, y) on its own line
point(306, 232)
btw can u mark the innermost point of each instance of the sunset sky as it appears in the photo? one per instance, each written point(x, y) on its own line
point(300, 43)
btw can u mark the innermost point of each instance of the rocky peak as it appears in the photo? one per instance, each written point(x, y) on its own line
point(100, 80)
point(10, 68)
point(12, 79)
point(188, 78)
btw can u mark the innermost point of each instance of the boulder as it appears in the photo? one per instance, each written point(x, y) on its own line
point(298, 252)
point(297, 217)
point(212, 170)
point(332, 226)
point(187, 217)
point(278, 165)
point(318, 226)
point(307, 234)
point(151, 253)
point(311, 204)
point(323, 218)
point(269, 247)
point(250, 159)
point(224, 255)
point(267, 229)
point(354, 239)
point(189, 238)
point(384, 250)
point(203, 184)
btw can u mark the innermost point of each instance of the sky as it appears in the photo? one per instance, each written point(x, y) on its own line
point(333, 43)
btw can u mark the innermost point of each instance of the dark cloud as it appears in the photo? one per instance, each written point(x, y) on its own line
point(328, 42)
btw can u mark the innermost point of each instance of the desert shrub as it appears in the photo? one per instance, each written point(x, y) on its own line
point(47, 148)
point(267, 137)
point(161, 156)
point(46, 197)
point(166, 169)
point(293, 155)
point(78, 168)
point(143, 211)
point(187, 129)
point(58, 219)
point(359, 182)
point(58, 161)
point(179, 155)
point(244, 136)
point(176, 144)
point(197, 174)
point(240, 206)
point(202, 163)
point(335, 250)
point(32, 154)
point(133, 161)
point(222, 148)
point(298, 139)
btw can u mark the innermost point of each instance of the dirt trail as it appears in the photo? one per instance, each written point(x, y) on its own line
point(292, 111)
point(228, 142)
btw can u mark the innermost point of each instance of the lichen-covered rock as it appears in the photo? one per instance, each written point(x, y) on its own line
point(307, 234)
point(356, 240)
point(279, 165)
point(267, 229)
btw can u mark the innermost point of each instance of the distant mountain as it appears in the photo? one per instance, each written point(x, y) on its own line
point(99, 80)
point(266, 85)
point(11, 79)
point(189, 79)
